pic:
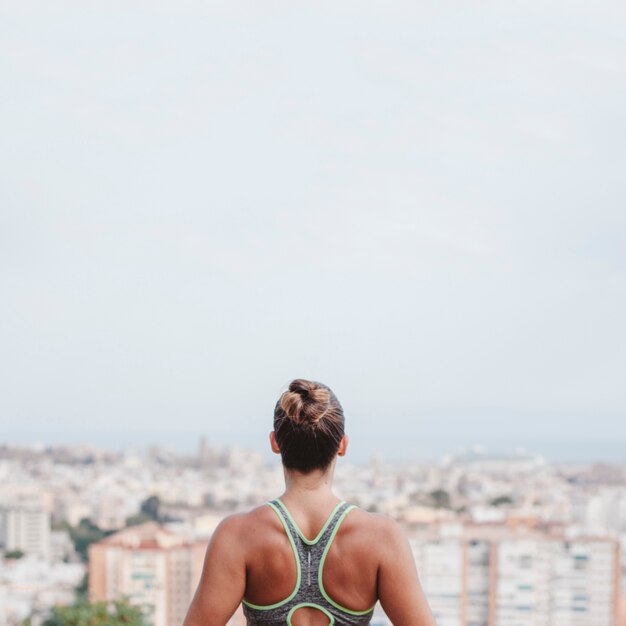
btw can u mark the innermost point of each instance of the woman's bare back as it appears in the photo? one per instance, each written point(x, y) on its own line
point(250, 558)
point(349, 574)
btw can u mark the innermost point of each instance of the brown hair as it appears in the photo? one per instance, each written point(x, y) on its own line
point(308, 425)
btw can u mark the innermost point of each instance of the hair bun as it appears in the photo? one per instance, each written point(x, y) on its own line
point(305, 402)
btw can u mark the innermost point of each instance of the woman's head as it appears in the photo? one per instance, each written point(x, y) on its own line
point(308, 425)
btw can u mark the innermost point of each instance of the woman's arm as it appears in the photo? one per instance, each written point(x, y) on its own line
point(399, 589)
point(223, 580)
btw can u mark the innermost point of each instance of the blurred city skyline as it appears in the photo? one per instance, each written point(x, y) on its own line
point(496, 540)
point(419, 452)
point(420, 206)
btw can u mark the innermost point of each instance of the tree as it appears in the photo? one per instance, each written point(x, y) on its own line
point(85, 534)
point(82, 535)
point(441, 498)
point(139, 518)
point(84, 613)
point(82, 589)
point(148, 511)
point(501, 500)
point(14, 554)
point(150, 507)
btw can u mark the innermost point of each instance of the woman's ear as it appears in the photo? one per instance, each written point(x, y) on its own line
point(343, 445)
point(273, 443)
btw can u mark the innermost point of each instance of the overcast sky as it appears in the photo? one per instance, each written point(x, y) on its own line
point(421, 204)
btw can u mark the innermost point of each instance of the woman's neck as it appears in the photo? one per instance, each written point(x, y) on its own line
point(313, 489)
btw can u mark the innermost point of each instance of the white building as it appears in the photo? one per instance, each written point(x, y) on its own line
point(498, 575)
point(26, 527)
point(30, 587)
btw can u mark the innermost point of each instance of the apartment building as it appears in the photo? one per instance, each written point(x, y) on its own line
point(496, 575)
point(25, 526)
point(154, 567)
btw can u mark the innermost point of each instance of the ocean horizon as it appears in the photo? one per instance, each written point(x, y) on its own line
point(361, 450)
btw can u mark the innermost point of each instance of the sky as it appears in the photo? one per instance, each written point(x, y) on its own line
point(419, 204)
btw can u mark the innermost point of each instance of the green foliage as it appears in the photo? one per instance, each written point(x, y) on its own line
point(14, 554)
point(150, 508)
point(82, 589)
point(84, 613)
point(149, 511)
point(139, 518)
point(501, 500)
point(85, 534)
point(441, 498)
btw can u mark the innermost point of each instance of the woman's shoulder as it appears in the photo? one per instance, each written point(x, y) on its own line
point(359, 520)
point(241, 523)
point(378, 524)
point(379, 536)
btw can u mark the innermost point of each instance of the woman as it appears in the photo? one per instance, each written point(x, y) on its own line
point(308, 558)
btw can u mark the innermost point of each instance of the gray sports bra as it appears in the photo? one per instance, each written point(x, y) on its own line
point(309, 590)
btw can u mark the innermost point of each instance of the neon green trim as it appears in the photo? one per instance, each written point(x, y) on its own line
point(266, 607)
point(315, 606)
point(321, 532)
point(319, 571)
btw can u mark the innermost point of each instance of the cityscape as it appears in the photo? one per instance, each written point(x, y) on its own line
point(498, 539)
point(418, 205)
